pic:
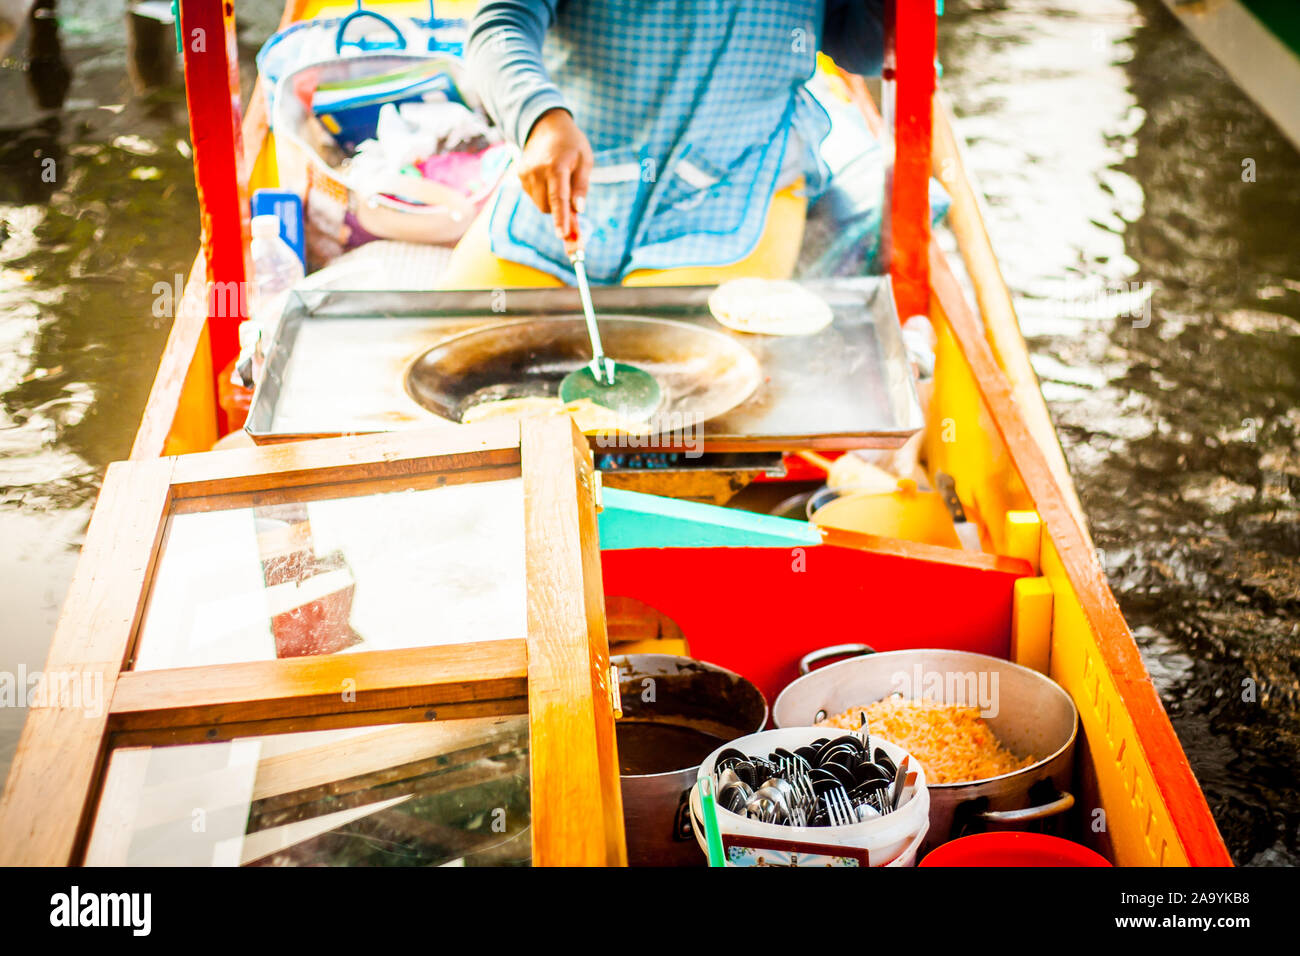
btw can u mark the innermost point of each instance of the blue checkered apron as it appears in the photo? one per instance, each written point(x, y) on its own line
point(688, 106)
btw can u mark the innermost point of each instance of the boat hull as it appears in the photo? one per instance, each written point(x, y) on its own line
point(1258, 43)
point(1136, 782)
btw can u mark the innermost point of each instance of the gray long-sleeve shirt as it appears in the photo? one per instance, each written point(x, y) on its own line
point(505, 53)
point(697, 112)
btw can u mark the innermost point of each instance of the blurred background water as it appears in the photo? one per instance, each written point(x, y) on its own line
point(1110, 147)
point(79, 257)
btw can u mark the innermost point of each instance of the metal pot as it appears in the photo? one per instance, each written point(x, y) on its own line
point(672, 706)
point(1029, 713)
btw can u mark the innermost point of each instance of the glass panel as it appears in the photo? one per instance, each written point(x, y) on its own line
point(451, 793)
point(413, 568)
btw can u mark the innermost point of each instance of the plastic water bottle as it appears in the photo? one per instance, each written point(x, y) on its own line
point(276, 267)
point(276, 270)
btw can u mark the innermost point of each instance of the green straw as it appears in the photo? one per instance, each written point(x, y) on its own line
point(712, 835)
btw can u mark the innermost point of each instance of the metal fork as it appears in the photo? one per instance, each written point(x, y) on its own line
point(838, 808)
point(881, 801)
point(796, 772)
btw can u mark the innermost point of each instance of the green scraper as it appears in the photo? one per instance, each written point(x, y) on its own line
point(628, 390)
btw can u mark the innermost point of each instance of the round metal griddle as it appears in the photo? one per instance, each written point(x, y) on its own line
point(701, 373)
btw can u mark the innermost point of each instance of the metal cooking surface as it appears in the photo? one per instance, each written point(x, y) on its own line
point(699, 372)
point(339, 363)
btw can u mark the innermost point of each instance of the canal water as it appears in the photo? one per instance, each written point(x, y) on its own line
point(1158, 283)
point(97, 204)
point(1145, 213)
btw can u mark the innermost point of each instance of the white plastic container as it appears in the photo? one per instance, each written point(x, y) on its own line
point(891, 840)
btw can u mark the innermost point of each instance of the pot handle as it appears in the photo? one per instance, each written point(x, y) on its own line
point(1062, 803)
point(826, 653)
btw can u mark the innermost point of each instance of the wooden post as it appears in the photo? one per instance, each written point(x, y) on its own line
point(573, 752)
point(908, 92)
point(212, 90)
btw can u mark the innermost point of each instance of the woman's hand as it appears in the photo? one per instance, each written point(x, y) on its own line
point(556, 169)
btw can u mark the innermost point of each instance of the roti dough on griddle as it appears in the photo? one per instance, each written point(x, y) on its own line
point(590, 417)
point(769, 307)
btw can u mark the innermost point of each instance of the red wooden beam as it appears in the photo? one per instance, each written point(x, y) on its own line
point(908, 94)
point(212, 88)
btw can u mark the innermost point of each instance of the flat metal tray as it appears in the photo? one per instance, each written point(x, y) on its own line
point(337, 364)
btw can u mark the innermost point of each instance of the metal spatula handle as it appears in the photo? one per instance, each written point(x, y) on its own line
point(601, 367)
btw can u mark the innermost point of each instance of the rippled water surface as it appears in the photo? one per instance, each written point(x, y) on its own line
point(1160, 294)
point(97, 204)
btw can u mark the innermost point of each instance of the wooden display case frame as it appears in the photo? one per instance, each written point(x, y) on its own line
point(558, 672)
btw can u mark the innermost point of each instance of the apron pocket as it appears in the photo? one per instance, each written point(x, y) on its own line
point(705, 197)
point(617, 178)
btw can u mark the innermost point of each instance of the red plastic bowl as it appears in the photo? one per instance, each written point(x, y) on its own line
point(1013, 849)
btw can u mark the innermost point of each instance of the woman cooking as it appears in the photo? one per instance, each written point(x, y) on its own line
point(674, 140)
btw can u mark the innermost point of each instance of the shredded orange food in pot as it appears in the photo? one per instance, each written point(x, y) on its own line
point(953, 743)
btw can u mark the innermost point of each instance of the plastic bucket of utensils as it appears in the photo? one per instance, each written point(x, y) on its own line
point(835, 805)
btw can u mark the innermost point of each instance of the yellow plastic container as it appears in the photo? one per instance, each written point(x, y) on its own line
point(905, 512)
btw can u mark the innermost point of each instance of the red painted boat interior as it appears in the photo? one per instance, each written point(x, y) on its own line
point(756, 611)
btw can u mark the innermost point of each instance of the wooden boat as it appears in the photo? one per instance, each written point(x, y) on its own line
point(528, 709)
point(1258, 43)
